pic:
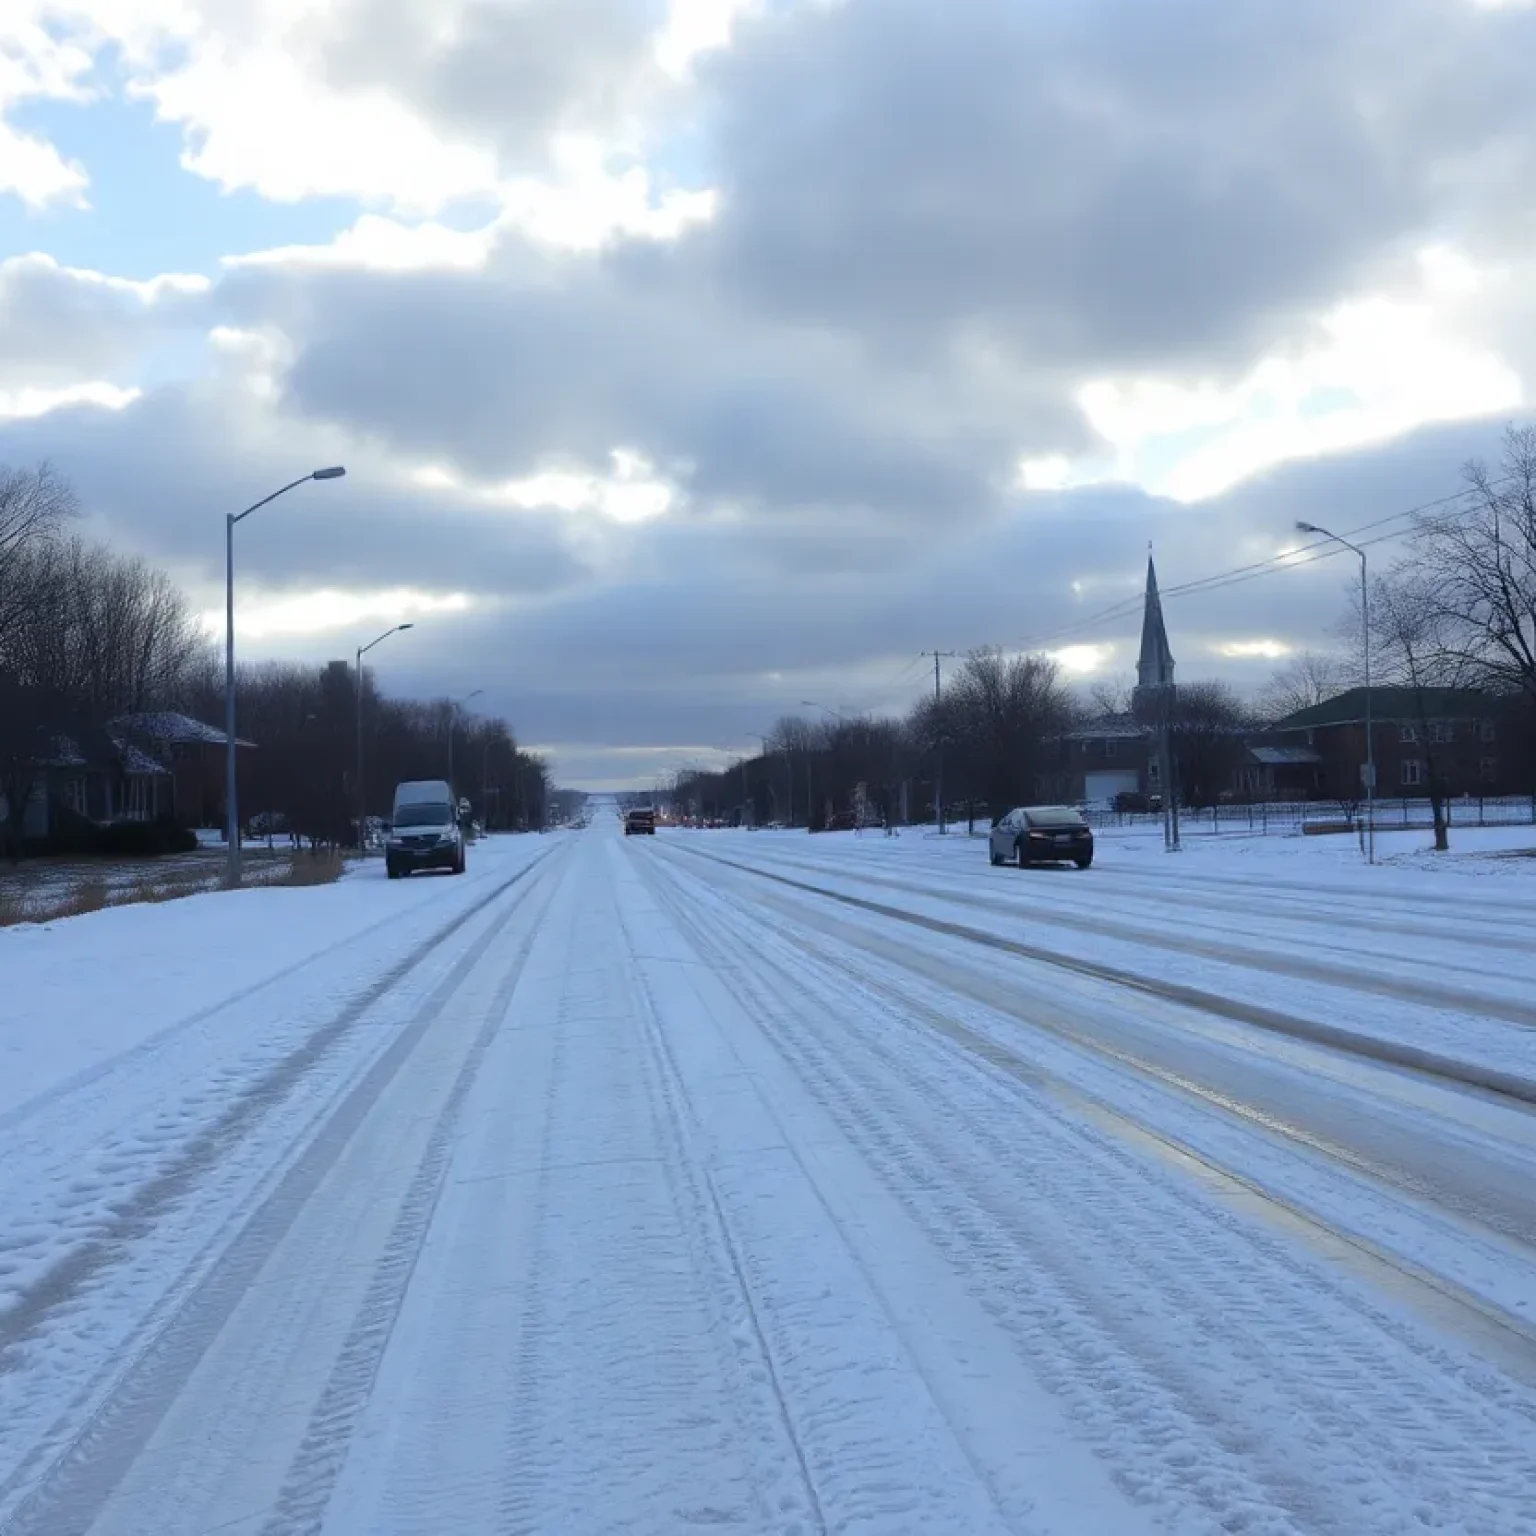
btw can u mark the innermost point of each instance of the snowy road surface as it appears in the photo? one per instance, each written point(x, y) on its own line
point(718, 1182)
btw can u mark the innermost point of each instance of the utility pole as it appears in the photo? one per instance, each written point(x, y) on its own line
point(357, 672)
point(938, 771)
point(1368, 771)
point(789, 773)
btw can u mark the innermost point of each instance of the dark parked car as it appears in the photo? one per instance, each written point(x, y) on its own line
point(1042, 834)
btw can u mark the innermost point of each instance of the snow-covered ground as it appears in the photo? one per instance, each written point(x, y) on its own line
point(766, 1183)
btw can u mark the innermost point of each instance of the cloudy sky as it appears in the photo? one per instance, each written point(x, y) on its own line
point(691, 358)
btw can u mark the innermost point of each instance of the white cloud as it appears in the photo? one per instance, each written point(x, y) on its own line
point(38, 65)
point(696, 27)
point(630, 493)
point(18, 404)
point(1382, 366)
point(34, 171)
point(330, 609)
point(412, 105)
point(1238, 650)
point(1080, 661)
point(1050, 472)
point(317, 142)
point(379, 244)
point(146, 291)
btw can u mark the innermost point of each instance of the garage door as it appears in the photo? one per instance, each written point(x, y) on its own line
point(1109, 782)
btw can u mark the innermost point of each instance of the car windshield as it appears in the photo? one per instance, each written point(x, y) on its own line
point(425, 814)
point(1054, 816)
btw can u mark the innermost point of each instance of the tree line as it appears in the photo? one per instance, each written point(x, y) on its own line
point(90, 635)
point(1457, 610)
point(989, 741)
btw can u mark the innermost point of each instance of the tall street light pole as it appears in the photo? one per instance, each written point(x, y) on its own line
point(841, 720)
point(453, 720)
point(789, 772)
point(1365, 641)
point(231, 806)
point(362, 797)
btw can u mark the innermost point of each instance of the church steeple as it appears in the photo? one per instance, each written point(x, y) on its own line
point(1154, 669)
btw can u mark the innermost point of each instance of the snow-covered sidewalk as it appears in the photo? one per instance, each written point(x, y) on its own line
point(726, 1183)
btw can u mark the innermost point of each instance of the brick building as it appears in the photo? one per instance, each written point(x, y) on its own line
point(1465, 741)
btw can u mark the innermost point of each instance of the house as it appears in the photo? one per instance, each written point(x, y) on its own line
point(88, 775)
point(194, 754)
point(1100, 759)
point(1466, 741)
point(1281, 769)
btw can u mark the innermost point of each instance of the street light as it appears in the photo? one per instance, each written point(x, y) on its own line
point(1365, 639)
point(841, 719)
point(453, 717)
point(362, 799)
point(789, 772)
point(231, 807)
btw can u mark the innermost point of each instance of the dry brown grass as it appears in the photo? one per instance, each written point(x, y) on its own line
point(92, 894)
point(87, 896)
point(312, 869)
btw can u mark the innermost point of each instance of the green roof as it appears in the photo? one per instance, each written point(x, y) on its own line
point(1392, 704)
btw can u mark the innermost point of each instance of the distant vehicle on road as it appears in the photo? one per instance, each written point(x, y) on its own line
point(426, 832)
point(1042, 834)
point(641, 820)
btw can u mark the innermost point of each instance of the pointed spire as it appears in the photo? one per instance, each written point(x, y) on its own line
point(1154, 668)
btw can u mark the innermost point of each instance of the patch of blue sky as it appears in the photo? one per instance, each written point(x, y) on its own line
point(147, 214)
point(1327, 402)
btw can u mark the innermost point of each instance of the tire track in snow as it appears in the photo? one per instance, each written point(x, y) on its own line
point(77, 1465)
point(571, 1339)
point(156, 1044)
point(133, 1218)
point(694, 1174)
point(1411, 1179)
point(1351, 1042)
point(1290, 966)
point(306, 1492)
point(1193, 1352)
point(876, 1438)
point(1067, 901)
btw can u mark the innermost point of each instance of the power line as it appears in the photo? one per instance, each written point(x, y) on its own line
point(1307, 554)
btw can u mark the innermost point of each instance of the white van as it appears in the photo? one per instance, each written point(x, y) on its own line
point(426, 832)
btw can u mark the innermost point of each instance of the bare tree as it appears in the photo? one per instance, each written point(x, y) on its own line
point(1479, 570)
point(1411, 649)
point(35, 505)
point(1307, 679)
point(1001, 712)
point(1208, 722)
point(111, 633)
point(1110, 696)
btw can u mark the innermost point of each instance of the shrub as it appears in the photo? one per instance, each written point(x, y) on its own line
point(143, 839)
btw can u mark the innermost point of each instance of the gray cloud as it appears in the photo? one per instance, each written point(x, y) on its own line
point(695, 633)
point(938, 221)
point(530, 365)
point(57, 327)
point(510, 74)
point(160, 474)
point(1107, 184)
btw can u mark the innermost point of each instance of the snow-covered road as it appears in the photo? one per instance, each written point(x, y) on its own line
point(770, 1184)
